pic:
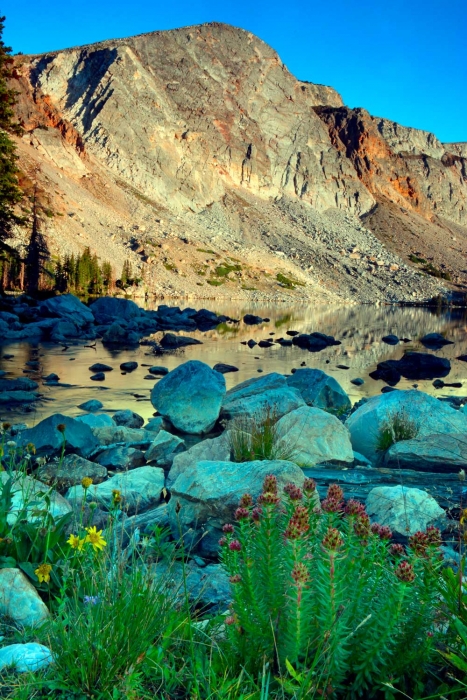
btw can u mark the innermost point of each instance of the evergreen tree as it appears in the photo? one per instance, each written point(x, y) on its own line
point(126, 278)
point(37, 254)
point(10, 193)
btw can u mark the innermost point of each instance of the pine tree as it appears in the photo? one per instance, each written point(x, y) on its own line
point(37, 254)
point(10, 193)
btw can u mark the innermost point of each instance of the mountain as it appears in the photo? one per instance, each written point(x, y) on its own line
point(198, 156)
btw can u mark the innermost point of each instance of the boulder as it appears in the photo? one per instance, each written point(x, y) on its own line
point(128, 418)
point(129, 367)
point(208, 494)
point(120, 458)
point(98, 377)
point(33, 495)
point(20, 600)
point(100, 367)
point(18, 397)
point(320, 390)
point(99, 421)
point(170, 341)
point(68, 307)
point(117, 335)
point(64, 475)
point(435, 341)
point(24, 658)
point(254, 396)
point(157, 370)
point(390, 339)
point(413, 365)
point(92, 405)
point(208, 588)
point(190, 397)
point(430, 416)
point(223, 368)
point(20, 384)
point(214, 450)
point(136, 437)
point(109, 309)
point(432, 453)
point(358, 381)
point(63, 330)
point(48, 441)
point(314, 342)
point(252, 320)
point(404, 510)
point(140, 488)
point(155, 424)
point(310, 436)
point(163, 449)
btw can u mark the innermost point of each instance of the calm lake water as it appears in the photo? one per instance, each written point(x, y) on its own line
point(360, 328)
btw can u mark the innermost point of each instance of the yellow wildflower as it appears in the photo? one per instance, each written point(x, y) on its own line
point(116, 497)
point(31, 448)
point(43, 573)
point(2, 451)
point(95, 538)
point(75, 542)
point(86, 482)
point(463, 516)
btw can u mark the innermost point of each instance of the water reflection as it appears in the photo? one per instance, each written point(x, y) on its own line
point(360, 328)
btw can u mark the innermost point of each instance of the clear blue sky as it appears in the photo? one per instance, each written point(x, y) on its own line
point(403, 59)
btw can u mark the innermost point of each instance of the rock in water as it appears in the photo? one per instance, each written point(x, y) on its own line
point(223, 368)
point(68, 307)
point(390, 339)
point(48, 440)
point(190, 397)
point(170, 341)
point(106, 310)
point(404, 510)
point(414, 365)
point(429, 415)
point(318, 389)
point(128, 418)
point(309, 436)
point(435, 340)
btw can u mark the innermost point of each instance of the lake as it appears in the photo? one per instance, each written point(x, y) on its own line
point(359, 328)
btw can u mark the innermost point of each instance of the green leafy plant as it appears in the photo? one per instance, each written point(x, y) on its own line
point(398, 426)
point(288, 282)
point(256, 437)
point(325, 590)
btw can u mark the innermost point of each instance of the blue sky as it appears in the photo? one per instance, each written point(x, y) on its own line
point(404, 60)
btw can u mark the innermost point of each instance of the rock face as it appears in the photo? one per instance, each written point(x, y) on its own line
point(190, 397)
point(253, 396)
point(318, 389)
point(48, 440)
point(430, 416)
point(209, 492)
point(215, 450)
point(288, 147)
point(20, 600)
point(432, 453)
point(404, 510)
point(309, 436)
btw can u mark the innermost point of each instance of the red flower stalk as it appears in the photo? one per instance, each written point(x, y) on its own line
point(361, 526)
point(397, 550)
point(235, 579)
point(405, 572)
point(298, 524)
point(230, 620)
point(335, 492)
point(270, 484)
point(246, 501)
point(228, 528)
point(353, 507)
point(242, 514)
point(331, 505)
point(419, 542)
point(332, 539)
point(269, 498)
point(293, 492)
point(235, 546)
point(383, 531)
point(256, 514)
point(433, 536)
point(222, 541)
point(300, 574)
point(309, 486)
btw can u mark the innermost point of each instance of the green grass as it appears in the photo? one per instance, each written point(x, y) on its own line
point(215, 283)
point(205, 250)
point(249, 289)
point(170, 266)
point(225, 269)
point(399, 426)
point(256, 437)
point(415, 259)
point(288, 282)
point(435, 272)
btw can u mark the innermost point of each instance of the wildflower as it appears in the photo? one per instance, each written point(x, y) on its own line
point(419, 543)
point(361, 526)
point(309, 486)
point(6, 426)
point(86, 482)
point(269, 498)
point(332, 539)
point(235, 579)
point(463, 516)
point(41, 461)
point(298, 524)
point(222, 541)
point(242, 514)
point(405, 572)
point(461, 475)
point(11, 443)
point(31, 448)
point(116, 497)
point(433, 536)
point(61, 427)
point(331, 505)
point(397, 550)
point(383, 531)
point(43, 573)
point(256, 514)
point(335, 491)
point(91, 599)
point(246, 501)
point(230, 620)
point(235, 546)
point(75, 542)
point(92, 505)
point(270, 484)
point(95, 538)
point(293, 492)
point(228, 527)
point(353, 507)
point(300, 574)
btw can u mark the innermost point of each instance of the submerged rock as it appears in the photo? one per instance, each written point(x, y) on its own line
point(170, 341)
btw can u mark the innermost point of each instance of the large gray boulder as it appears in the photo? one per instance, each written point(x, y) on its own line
point(48, 441)
point(320, 390)
point(63, 475)
point(433, 453)
point(254, 396)
point(29, 657)
point(128, 418)
point(121, 457)
point(209, 493)
point(214, 450)
point(427, 413)
point(163, 449)
point(310, 436)
point(207, 588)
point(20, 600)
point(33, 494)
point(190, 397)
point(404, 510)
point(109, 309)
point(140, 488)
point(69, 308)
point(101, 420)
point(119, 434)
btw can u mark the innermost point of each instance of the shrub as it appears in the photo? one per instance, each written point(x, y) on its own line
point(288, 282)
point(399, 426)
point(323, 596)
point(256, 437)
